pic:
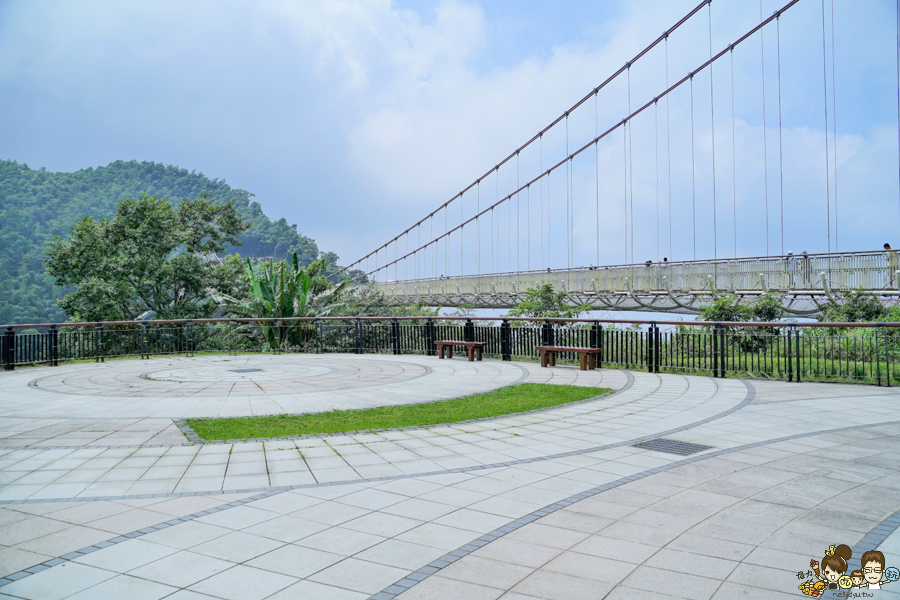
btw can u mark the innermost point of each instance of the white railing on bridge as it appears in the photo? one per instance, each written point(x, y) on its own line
point(819, 274)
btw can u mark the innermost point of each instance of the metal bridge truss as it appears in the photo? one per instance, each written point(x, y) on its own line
point(805, 283)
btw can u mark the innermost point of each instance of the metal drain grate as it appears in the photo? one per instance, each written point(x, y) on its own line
point(672, 446)
point(244, 370)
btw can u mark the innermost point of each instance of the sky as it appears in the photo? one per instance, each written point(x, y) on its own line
point(355, 119)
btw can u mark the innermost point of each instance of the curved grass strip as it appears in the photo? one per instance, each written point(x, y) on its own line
point(503, 401)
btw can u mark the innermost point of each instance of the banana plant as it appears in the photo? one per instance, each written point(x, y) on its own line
point(285, 290)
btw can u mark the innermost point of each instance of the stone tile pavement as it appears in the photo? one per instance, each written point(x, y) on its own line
point(552, 504)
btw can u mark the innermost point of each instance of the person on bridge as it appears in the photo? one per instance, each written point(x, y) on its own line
point(893, 263)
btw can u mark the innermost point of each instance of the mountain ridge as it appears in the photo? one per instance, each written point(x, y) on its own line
point(37, 204)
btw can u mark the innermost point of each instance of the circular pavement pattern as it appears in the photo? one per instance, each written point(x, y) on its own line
point(178, 387)
point(245, 376)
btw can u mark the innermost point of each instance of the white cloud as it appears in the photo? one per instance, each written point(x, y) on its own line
point(356, 118)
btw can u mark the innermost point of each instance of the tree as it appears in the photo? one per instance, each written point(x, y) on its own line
point(281, 291)
point(369, 301)
point(36, 204)
point(765, 309)
point(150, 256)
point(544, 302)
point(857, 306)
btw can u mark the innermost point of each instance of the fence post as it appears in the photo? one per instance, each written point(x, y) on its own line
point(650, 346)
point(789, 354)
point(797, 356)
point(189, 342)
point(359, 348)
point(505, 340)
point(715, 344)
point(469, 331)
point(98, 331)
point(547, 333)
point(320, 336)
point(54, 346)
point(430, 336)
point(656, 343)
point(9, 349)
point(878, 355)
point(395, 335)
point(723, 368)
point(887, 353)
point(144, 353)
point(597, 341)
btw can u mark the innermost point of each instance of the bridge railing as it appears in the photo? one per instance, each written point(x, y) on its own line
point(812, 272)
point(857, 352)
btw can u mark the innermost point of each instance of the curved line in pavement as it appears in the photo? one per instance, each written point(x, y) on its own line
point(747, 399)
point(34, 384)
point(433, 567)
point(194, 439)
point(423, 573)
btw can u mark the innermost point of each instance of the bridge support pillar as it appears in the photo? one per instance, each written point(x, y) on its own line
point(505, 340)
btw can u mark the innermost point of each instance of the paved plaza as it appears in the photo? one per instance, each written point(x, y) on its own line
point(105, 492)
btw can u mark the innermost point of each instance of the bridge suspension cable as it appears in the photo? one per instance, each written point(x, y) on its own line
point(762, 55)
point(630, 164)
point(597, 170)
point(837, 247)
point(669, 148)
point(693, 172)
point(780, 138)
point(623, 123)
point(827, 159)
point(539, 135)
point(733, 157)
point(712, 111)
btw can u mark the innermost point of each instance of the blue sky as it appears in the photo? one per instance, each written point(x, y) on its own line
point(355, 119)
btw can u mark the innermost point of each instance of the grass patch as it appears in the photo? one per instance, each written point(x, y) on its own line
point(512, 399)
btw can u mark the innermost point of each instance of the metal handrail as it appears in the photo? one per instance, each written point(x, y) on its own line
point(474, 319)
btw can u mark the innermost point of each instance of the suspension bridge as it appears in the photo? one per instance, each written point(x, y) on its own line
point(656, 161)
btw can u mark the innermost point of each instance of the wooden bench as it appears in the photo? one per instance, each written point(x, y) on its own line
point(587, 356)
point(474, 348)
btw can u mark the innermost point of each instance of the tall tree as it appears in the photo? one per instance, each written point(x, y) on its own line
point(150, 256)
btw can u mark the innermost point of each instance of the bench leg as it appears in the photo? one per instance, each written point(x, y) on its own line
point(449, 351)
point(582, 361)
point(543, 358)
point(440, 351)
point(471, 350)
point(478, 352)
point(552, 358)
point(593, 362)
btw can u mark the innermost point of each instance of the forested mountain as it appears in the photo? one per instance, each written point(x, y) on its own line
point(36, 205)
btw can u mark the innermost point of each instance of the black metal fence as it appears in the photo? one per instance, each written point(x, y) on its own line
point(865, 353)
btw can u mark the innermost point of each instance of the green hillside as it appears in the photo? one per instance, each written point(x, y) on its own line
point(35, 205)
